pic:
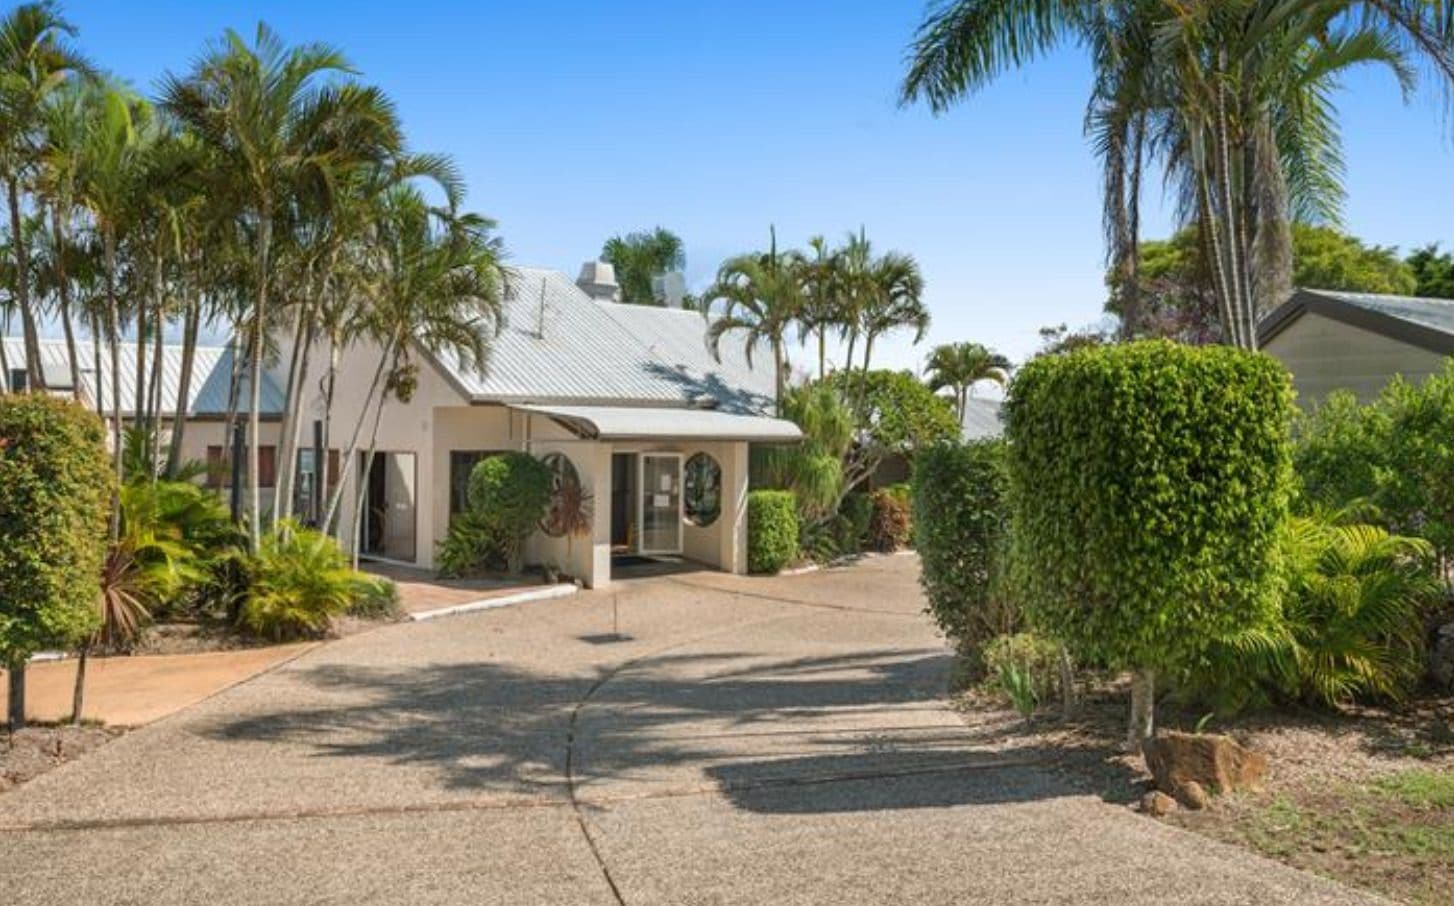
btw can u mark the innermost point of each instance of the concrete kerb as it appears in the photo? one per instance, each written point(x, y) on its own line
point(522, 597)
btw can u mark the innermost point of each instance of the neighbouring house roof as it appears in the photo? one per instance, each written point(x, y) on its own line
point(1426, 323)
point(654, 423)
point(982, 419)
point(559, 346)
point(207, 395)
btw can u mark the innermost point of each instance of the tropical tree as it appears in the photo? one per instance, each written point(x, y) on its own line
point(893, 295)
point(641, 256)
point(761, 296)
point(1232, 98)
point(1433, 272)
point(957, 367)
point(36, 59)
point(263, 110)
point(824, 293)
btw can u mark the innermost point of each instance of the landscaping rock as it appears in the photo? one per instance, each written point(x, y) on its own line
point(1157, 804)
point(1193, 766)
point(1441, 658)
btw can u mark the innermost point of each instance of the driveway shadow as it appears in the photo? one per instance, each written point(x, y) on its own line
point(776, 734)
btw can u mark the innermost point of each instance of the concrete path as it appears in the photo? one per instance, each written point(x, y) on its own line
point(131, 691)
point(749, 741)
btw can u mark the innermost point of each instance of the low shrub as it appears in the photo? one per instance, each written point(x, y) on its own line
point(1035, 657)
point(889, 524)
point(298, 581)
point(507, 497)
point(960, 526)
point(379, 603)
point(855, 516)
point(772, 530)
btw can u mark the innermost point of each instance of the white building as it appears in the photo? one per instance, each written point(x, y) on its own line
point(656, 429)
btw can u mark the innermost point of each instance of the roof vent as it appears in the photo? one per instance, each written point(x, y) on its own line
point(598, 280)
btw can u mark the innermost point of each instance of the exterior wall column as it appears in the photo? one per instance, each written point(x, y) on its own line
point(732, 538)
point(598, 465)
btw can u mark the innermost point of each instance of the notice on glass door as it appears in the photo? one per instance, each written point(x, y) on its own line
point(661, 501)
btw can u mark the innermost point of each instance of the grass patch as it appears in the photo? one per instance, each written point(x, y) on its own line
point(1419, 789)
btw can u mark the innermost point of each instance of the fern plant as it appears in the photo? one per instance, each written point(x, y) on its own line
point(299, 581)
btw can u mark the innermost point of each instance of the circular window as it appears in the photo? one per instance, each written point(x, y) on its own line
point(703, 499)
point(570, 506)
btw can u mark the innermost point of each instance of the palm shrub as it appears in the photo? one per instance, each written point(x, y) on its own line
point(960, 529)
point(298, 581)
point(55, 499)
point(1352, 622)
point(772, 530)
point(1037, 658)
point(1149, 483)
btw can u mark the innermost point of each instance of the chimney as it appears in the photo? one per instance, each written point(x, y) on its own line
point(598, 280)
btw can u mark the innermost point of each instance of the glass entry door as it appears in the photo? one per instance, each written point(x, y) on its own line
point(660, 494)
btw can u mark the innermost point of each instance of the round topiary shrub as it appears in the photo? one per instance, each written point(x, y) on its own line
point(772, 530)
point(56, 487)
point(507, 497)
point(1149, 483)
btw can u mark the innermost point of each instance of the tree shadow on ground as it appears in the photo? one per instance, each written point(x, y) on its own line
point(859, 731)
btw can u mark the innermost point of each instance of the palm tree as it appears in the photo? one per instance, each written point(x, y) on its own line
point(639, 257)
point(762, 296)
point(1232, 97)
point(823, 294)
point(893, 300)
point(438, 290)
point(260, 109)
point(959, 366)
point(35, 60)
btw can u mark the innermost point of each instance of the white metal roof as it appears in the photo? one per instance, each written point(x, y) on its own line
point(558, 345)
point(655, 423)
point(207, 396)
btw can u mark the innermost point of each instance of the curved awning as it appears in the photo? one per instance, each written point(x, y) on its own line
point(653, 423)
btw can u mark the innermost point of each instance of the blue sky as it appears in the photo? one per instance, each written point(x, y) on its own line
point(576, 120)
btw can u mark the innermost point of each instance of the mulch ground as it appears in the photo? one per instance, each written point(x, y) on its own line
point(1364, 796)
point(37, 749)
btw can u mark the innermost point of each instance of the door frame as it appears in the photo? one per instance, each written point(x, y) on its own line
point(641, 458)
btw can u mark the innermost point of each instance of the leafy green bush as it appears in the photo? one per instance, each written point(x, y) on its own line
point(298, 581)
point(1351, 626)
point(889, 527)
point(179, 539)
point(56, 485)
point(856, 512)
point(960, 522)
point(1340, 446)
point(1149, 483)
point(506, 499)
point(1036, 657)
point(772, 530)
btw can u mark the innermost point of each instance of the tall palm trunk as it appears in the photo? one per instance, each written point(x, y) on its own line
point(113, 336)
point(4, 356)
point(35, 375)
point(153, 437)
point(191, 323)
point(868, 339)
point(259, 315)
point(822, 352)
point(63, 285)
point(97, 368)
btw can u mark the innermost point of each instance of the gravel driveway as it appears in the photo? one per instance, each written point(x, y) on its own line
point(753, 741)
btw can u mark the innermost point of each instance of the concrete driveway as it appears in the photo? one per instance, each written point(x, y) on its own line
point(753, 741)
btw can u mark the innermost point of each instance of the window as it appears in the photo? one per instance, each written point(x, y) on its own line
point(219, 466)
point(703, 480)
point(19, 380)
point(461, 463)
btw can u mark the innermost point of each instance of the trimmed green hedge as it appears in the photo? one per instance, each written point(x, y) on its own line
point(1149, 482)
point(56, 485)
point(960, 519)
point(772, 530)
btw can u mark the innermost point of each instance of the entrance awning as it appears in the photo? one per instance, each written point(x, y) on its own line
point(645, 423)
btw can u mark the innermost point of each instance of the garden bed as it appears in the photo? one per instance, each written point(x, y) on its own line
point(40, 748)
point(1365, 797)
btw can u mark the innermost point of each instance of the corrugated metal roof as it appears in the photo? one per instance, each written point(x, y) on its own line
point(653, 423)
point(982, 419)
point(211, 374)
point(559, 345)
